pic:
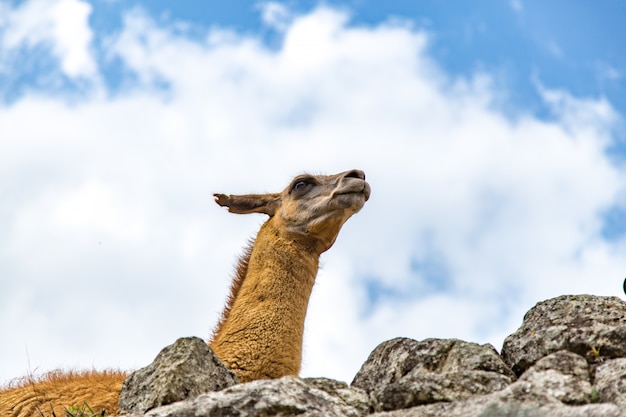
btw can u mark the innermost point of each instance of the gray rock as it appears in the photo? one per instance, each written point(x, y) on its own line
point(520, 399)
point(610, 382)
point(591, 410)
point(593, 327)
point(185, 369)
point(550, 388)
point(563, 347)
point(563, 375)
point(403, 373)
point(352, 396)
point(432, 387)
point(491, 405)
point(287, 396)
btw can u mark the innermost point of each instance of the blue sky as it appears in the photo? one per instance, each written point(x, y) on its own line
point(574, 45)
point(492, 134)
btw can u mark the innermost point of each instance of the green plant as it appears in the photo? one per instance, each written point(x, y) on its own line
point(82, 411)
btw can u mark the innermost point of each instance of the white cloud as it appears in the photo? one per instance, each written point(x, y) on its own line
point(276, 15)
point(597, 117)
point(517, 6)
point(113, 247)
point(62, 24)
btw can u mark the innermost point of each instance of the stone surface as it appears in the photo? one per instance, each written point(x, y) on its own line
point(592, 410)
point(432, 387)
point(516, 400)
point(520, 399)
point(185, 369)
point(506, 410)
point(563, 375)
point(287, 396)
point(354, 397)
point(593, 327)
point(557, 385)
point(570, 355)
point(403, 373)
point(610, 382)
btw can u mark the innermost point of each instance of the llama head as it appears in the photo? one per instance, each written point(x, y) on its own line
point(312, 208)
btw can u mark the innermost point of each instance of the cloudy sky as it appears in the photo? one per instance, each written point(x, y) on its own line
point(492, 133)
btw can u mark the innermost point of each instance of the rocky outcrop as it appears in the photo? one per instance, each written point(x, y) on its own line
point(590, 326)
point(403, 373)
point(180, 371)
point(558, 384)
point(287, 396)
point(610, 382)
point(568, 359)
point(561, 375)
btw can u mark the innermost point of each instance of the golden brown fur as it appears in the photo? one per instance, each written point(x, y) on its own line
point(260, 332)
point(57, 391)
point(262, 336)
point(240, 274)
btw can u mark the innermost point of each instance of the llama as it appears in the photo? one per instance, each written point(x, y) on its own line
point(57, 391)
point(260, 332)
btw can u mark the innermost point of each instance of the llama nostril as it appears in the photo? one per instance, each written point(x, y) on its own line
point(355, 173)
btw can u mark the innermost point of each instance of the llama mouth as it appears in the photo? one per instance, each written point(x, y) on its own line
point(367, 191)
point(363, 189)
point(352, 197)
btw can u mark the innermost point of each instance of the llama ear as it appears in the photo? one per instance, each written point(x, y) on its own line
point(249, 203)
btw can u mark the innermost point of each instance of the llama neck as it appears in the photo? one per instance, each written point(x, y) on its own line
point(260, 335)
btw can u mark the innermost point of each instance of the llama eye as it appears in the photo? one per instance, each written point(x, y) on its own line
point(299, 185)
point(303, 184)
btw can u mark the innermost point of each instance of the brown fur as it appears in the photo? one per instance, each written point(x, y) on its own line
point(261, 337)
point(53, 393)
point(240, 274)
point(260, 331)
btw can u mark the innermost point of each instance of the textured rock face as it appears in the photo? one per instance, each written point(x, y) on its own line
point(557, 385)
point(351, 396)
point(611, 382)
point(182, 370)
point(403, 373)
point(562, 375)
point(287, 396)
point(591, 326)
point(569, 354)
point(477, 408)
